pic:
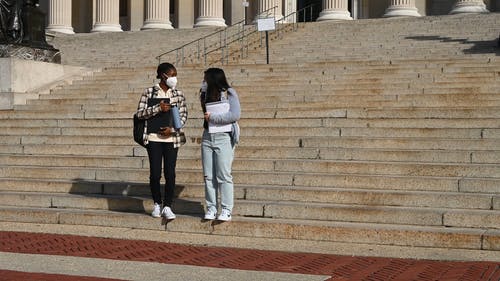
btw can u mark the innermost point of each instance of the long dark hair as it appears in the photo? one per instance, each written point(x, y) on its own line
point(216, 83)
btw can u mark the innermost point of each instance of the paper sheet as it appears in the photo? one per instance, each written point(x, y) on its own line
point(218, 107)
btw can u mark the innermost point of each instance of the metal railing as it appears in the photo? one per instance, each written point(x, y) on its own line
point(234, 40)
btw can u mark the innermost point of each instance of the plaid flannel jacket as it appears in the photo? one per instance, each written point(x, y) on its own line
point(145, 112)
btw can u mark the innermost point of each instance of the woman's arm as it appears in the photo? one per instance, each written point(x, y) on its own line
point(234, 112)
point(181, 104)
point(143, 111)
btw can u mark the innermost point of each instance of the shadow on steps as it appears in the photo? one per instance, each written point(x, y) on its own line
point(127, 197)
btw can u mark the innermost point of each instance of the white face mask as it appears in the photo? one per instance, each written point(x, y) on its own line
point(171, 82)
point(204, 86)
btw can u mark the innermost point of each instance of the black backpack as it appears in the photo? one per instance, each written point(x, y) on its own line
point(139, 126)
point(139, 130)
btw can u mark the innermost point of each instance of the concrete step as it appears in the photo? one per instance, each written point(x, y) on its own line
point(388, 144)
point(385, 168)
point(295, 100)
point(132, 95)
point(336, 112)
point(285, 100)
point(390, 80)
point(261, 176)
point(464, 194)
point(84, 160)
point(304, 86)
point(257, 121)
point(411, 69)
point(306, 161)
point(115, 156)
point(376, 234)
point(401, 143)
point(466, 112)
point(264, 209)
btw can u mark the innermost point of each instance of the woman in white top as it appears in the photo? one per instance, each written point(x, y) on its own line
point(217, 146)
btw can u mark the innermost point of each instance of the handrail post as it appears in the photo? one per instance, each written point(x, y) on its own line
point(245, 46)
point(224, 54)
point(230, 38)
point(295, 22)
point(205, 51)
point(182, 56)
point(242, 40)
point(226, 46)
point(198, 50)
point(221, 49)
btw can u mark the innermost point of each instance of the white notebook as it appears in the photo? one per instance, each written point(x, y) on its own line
point(218, 107)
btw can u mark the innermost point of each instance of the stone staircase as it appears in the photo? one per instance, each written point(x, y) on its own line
point(424, 38)
point(346, 147)
point(113, 49)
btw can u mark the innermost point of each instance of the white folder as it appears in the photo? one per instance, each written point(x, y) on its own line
point(218, 107)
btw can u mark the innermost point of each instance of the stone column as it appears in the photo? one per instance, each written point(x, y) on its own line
point(157, 15)
point(290, 7)
point(334, 10)
point(265, 9)
point(137, 12)
point(185, 13)
point(60, 16)
point(211, 13)
point(469, 6)
point(107, 16)
point(401, 8)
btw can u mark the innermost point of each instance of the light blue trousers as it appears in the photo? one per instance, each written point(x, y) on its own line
point(217, 156)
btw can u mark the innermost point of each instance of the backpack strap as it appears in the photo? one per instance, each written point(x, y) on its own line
point(153, 92)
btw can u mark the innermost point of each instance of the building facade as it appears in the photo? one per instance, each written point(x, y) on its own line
point(84, 16)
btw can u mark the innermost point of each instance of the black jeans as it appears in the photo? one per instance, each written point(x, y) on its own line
point(158, 151)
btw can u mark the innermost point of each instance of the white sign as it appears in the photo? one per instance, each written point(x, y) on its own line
point(246, 4)
point(265, 24)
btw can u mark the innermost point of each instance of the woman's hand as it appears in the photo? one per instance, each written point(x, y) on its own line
point(207, 116)
point(165, 131)
point(164, 107)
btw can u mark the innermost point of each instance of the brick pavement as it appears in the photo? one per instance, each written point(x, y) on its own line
point(11, 275)
point(337, 267)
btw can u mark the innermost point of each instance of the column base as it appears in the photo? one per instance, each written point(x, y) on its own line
point(469, 8)
point(209, 21)
point(99, 27)
point(25, 78)
point(157, 25)
point(60, 28)
point(334, 15)
point(401, 12)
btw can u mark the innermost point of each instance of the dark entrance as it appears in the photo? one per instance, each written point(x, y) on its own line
point(307, 15)
point(316, 9)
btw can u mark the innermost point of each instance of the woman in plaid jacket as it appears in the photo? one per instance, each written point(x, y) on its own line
point(163, 142)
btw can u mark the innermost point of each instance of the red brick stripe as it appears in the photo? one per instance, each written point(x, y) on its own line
point(9, 275)
point(338, 267)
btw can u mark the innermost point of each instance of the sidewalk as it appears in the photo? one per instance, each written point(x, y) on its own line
point(43, 256)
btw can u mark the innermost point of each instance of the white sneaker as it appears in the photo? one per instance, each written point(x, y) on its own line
point(156, 211)
point(167, 213)
point(210, 215)
point(225, 215)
